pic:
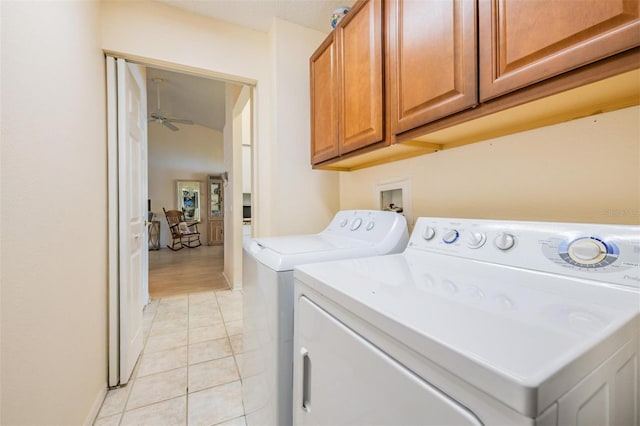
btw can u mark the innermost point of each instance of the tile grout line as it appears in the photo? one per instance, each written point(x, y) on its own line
point(235, 358)
point(186, 403)
point(138, 362)
point(155, 317)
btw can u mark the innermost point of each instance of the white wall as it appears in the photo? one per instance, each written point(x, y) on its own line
point(192, 153)
point(304, 200)
point(586, 170)
point(53, 213)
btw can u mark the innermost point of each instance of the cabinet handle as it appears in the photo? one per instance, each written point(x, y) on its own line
point(306, 380)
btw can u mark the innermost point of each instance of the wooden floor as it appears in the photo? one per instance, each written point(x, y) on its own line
point(186, 271)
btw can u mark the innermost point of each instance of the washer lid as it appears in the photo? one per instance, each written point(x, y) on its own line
point(522, 336)
point(299, 244)
point(283, 253)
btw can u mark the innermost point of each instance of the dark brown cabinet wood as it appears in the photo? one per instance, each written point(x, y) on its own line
point(360, 67)
point(432, 60)
point(324, 102)
point(524, 42)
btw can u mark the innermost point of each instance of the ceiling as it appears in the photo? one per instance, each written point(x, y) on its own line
point(201, 99)
point(185, 96)
point(258, 14)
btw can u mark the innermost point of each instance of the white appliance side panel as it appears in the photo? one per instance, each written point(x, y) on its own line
point(341, 379)
point(606, 397)
point(266, 364)
point(268, 343)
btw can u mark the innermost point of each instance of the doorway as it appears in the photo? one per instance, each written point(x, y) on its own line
point(181, 160)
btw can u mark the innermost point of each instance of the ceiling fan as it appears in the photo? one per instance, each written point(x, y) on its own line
point(160, 117)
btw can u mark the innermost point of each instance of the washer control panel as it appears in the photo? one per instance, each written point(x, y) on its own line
point(609, 253)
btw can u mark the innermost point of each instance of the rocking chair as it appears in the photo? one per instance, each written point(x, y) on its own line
point(183, 233)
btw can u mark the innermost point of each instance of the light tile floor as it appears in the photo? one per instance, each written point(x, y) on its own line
point(188, 371)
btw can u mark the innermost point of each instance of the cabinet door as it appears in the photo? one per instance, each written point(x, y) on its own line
point(360, 44)
point(216, 193)
point(523, 42)
point(433, 60)
point(324, 102)
point(215, 232)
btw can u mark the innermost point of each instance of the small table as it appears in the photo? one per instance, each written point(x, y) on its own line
point(154, 235)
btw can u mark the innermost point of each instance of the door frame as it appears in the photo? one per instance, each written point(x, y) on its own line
point(112, 193)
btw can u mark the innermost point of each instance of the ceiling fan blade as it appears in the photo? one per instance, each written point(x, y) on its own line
point(179, 120)
point(159, 117)
point(169, 125)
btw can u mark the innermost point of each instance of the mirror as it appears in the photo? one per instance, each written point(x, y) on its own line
point(189, 199)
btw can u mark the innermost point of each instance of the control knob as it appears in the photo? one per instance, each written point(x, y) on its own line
point(428, 233)
point(587, 251)
point(476, 240)
point(505, 241)
point(356, 223)
point(451, 236)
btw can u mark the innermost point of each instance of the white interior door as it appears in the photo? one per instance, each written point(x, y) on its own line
point(132, 207)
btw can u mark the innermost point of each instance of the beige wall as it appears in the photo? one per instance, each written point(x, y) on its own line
point(304, 200)
point(277, 63)
point(586, 170)
point(236, 98)
point(192, 153)
point(54, 224)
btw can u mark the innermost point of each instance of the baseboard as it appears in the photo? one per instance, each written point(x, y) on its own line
point(95, 407)
point(231, 287)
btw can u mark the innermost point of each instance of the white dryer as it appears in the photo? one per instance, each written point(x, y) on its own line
point(476, 322)
point(267, 363)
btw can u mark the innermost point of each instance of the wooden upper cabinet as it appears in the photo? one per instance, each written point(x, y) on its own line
point(360, 46)
point(432, 60)
point(523, 42)
point(324, 102)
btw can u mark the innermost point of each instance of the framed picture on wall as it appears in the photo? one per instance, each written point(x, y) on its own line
point(189, 199)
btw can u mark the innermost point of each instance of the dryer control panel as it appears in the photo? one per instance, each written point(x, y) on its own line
point(608, 253)
point(372, 226)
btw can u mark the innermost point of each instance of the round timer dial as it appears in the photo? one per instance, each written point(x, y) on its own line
point(588, 252)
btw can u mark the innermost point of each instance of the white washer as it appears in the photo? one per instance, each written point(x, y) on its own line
point(267, 362)
point(477, 322)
